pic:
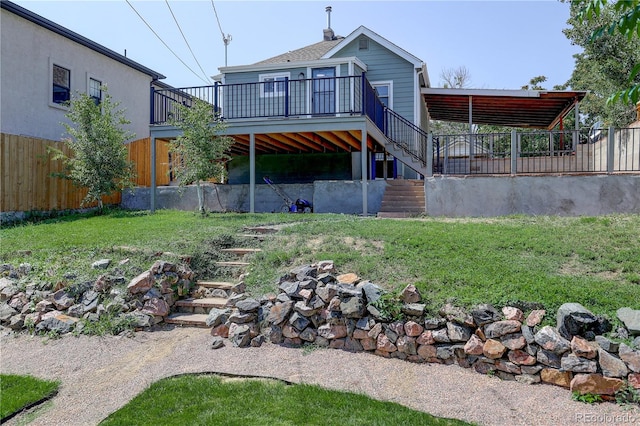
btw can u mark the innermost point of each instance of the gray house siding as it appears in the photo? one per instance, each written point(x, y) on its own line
point(384, 65)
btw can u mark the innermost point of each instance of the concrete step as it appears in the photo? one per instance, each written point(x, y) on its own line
point(405, 182)
point(241, 251)
point(397, 215)
point(190, 320)
point(403, 197)
point(216, 284)
point(232, 264)
point(206, 303)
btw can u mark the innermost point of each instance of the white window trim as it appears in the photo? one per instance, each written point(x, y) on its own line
point(50, 102)
point(263, 77)
point(88, 87)
point(385, 83)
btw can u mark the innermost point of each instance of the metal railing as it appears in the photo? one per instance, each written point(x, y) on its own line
point(406, 135)
point(568, 151)
point(327, 96)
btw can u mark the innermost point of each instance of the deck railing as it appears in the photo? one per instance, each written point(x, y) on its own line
point(568, 151)
point(328, 96)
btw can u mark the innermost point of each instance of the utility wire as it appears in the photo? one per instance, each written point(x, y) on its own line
point(186, 42)
point(165, 44)
point(217, 19)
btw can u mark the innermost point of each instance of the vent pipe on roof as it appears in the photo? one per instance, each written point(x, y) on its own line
point(328, 33)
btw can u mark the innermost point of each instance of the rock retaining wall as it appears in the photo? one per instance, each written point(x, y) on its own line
point(317, 306)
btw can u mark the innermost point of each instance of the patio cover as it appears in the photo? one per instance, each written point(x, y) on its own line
point(539, 109)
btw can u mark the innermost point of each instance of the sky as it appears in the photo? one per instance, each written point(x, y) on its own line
point(503, 44)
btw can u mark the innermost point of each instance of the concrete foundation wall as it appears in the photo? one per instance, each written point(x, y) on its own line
point(326, 196)
point(533, 195)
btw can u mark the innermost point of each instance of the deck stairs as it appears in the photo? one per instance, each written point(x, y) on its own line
point(403, 198)
point(193, 311)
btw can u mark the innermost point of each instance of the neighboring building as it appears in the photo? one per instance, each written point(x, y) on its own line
point(43, 66)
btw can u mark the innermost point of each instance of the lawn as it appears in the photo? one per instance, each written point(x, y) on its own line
point(210, 400)
point(19, 392)
point(524, 261)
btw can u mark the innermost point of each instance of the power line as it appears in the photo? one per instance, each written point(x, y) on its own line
point(186, 42)
point(165, 44)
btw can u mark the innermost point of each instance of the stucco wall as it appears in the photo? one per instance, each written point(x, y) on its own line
point(326, 196)
point(533, 195)
point(26, 84)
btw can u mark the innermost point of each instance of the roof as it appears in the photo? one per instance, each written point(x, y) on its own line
point(362, 30)
point(539, 109)
point(65, 32)
point(309, 53)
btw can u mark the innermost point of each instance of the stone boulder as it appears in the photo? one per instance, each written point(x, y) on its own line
point(631, 319)
point(142, 283)
point(595, 384)
point(573, 319)
point(550, 339)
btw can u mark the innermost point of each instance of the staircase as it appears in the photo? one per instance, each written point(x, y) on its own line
point(193, 311)
point(403, 198)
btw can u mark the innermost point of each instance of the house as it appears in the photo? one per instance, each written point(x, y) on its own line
point(317, 114)
point(43, 65)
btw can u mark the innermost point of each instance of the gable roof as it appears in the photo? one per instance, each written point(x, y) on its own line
point(308, 53)
point(362, 30)
point(73, 36)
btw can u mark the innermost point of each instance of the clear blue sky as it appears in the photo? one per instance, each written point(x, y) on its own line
point(502, 43)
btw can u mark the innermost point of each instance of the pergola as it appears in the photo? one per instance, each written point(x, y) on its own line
point(537, 109)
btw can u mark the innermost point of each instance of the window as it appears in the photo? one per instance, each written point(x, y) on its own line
point(95, 90)
point(273, 84)
point(363, 43)
point(61, 85)
point(384, 91)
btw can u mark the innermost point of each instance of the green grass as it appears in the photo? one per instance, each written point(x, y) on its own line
point(18, 392)
point(526, 261)
point(211, 400)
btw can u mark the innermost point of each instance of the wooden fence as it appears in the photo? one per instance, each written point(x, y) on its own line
point(26, 169)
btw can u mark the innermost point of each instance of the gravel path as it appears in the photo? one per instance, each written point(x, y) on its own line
point(100, 375)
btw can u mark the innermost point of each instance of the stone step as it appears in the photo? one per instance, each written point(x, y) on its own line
point(259, 237)
point(241, 251)
point(191, 320)
point(205, 302)
point(232, 264)
point(216, 284)
point(261, 229)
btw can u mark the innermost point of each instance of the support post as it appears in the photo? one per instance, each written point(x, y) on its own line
point(514, 152)
point(471, 139)
point(363, 173)
point(429, 155)
point(252, 173)
point(611, 145)
point(576, 127)
point(152, 195)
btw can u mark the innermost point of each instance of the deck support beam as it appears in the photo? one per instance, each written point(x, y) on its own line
point(363, 167)
point(252, 173)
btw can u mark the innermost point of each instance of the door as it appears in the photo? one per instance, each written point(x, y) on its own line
point(323, 96)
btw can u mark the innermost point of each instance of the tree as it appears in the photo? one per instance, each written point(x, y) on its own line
point(627, 23)
point(606, 64)
point(453, 78)
point(97, 142)
point(200, 152)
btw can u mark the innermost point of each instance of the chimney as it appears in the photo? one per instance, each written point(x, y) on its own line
point(328, 33)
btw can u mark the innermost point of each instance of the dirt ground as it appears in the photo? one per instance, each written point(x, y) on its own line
point(101, 374)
